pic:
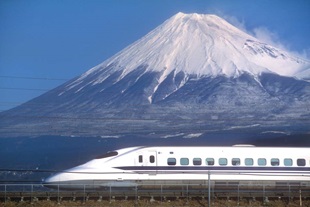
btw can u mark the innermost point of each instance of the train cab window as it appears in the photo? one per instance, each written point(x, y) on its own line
point(184, 161)
point(288, 162)
point(209, 161)
point(262, 162)
point(108, 154)
point(171, 161)
point(197, 161)
point(235, 161)
point(152, 159)
point(223, 161)
point(140, 158)
point(275, 162)
point(248, 161)
point(301, 162)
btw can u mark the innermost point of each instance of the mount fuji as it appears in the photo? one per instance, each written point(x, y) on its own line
point(193, 74)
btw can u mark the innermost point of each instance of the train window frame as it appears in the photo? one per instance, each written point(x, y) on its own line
point(197, 161)
point(210, 161)
point(223, 161)
point(235, 161)
point(152, 159)
point(301, 162)
point(288, 162)
point(184, 161)
point(171, 161)
point(140, 158)
point(248, 161)
point(261, 161)
point(275, 162)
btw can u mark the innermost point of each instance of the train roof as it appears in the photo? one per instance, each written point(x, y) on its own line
point(206, 146)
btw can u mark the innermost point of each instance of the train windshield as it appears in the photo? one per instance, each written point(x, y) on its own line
point(108, 154)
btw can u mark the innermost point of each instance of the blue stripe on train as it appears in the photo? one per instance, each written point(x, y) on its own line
point(218, 168)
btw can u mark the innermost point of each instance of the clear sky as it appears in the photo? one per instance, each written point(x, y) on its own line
point(43, 43)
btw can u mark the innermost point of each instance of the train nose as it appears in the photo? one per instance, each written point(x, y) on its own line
point(60, 181)
point(53, 181)
point(51, 185)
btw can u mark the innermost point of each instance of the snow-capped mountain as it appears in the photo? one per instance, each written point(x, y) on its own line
point(202, 45)
point(193, 73)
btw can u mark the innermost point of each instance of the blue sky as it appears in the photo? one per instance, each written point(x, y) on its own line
point(43, 43)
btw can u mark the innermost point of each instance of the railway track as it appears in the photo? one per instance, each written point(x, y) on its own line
point(263, 194)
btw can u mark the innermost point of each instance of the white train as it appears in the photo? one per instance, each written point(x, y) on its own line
point(189, 165)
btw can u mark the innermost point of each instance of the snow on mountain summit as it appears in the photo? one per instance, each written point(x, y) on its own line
point(203, 45)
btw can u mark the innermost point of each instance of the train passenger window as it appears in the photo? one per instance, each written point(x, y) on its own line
point(275, 162)
point(171, 161)
point(184, 161)
point(209, 161)
point(223, 161)
point(152, 159)
point(140, 158)
point(288, 162)
point(301, 162)
point(248, 161)
point(197, 161)
point(235, 161)
point(262, 162)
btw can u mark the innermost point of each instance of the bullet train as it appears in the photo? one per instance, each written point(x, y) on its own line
point(188, 165)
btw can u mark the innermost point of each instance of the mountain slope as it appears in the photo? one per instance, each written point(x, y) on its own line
point(193, 73)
